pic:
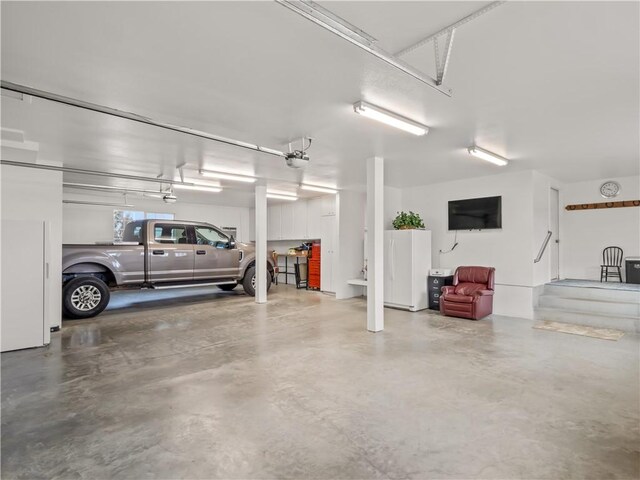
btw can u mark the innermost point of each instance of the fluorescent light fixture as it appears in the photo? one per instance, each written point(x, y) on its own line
point(487, 156)
point(315, 188)
point(390, 118)
point(277, 196)
point(227, 176)
point(200, 188)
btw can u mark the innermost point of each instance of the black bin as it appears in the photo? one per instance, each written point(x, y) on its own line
point(633, 270)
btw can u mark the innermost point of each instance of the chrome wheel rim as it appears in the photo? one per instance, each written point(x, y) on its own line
point(85, 298)
point(253, 282)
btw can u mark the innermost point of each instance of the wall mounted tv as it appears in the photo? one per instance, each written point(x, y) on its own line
point(475, 213)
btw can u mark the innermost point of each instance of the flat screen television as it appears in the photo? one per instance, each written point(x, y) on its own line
point(475, 213)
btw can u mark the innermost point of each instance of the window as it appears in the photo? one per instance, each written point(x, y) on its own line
point(170, 234)
point(133, 232)
point(211, 236)
point(122, 217)
point(230, 231)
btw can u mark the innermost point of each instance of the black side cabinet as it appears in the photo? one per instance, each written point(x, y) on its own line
point(434, 286)
point(633, 269)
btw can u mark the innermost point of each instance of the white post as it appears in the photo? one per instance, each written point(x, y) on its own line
point(261, 244)
point(375, 244)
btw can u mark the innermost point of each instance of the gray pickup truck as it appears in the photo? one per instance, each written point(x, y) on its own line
point(156, 254)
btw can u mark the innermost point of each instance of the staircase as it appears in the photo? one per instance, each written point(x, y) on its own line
point(595, 307)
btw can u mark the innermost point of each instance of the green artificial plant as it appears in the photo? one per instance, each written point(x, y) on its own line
point(406, 221)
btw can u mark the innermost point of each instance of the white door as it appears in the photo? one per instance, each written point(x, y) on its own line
point(554, 242)
point(23, 285)
point(327, 243)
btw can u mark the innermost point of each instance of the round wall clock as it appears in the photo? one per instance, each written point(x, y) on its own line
point(610, 189)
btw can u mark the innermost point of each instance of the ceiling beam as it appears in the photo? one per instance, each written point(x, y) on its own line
point(331, 22)
point(54, 97)
point(449, 28)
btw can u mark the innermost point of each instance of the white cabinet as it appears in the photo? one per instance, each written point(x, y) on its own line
point(300, 214)
point(328, 205)
point(25, 284)
point(328, 242)
point(287, 221)
point(314, 214)
point(274, 222)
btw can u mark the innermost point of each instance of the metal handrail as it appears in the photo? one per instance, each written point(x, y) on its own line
point(543, 247)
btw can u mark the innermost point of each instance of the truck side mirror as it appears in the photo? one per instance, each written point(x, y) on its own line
point(232, 242)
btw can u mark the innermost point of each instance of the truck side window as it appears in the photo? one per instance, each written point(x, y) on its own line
point(132, 232)
point(211, 236)
point(170, 234)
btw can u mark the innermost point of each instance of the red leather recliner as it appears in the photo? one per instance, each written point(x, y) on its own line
point(471, 295)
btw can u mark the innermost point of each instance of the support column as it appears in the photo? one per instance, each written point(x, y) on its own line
point(261, 244)
point(375, 244)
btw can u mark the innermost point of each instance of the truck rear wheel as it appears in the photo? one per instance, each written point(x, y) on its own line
point(84, 297)
point(249, 281)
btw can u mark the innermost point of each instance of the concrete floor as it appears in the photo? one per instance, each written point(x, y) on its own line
point(218, 387)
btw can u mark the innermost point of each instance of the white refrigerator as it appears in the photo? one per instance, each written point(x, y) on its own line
point(407, 261)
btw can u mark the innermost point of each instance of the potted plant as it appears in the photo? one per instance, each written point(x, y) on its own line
point(408, 221)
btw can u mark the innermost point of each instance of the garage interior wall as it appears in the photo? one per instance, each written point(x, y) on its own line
point(585, 233)
point(91, 223)
point(30, 194)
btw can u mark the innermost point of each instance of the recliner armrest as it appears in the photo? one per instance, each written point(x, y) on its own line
point(484, 293)
point(448, 290)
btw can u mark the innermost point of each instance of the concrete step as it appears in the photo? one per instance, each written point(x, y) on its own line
point(604, 294)
point(598, 307)
point(626, 324)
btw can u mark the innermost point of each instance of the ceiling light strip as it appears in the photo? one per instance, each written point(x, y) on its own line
point(308, 10)
point(390, 118)
point(278, 196)
point(227, 176)
point(315, 188)
point(487, 156)
point(200, 188)
point(54, 97)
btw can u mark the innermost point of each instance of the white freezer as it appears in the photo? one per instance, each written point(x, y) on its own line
point(407, 261)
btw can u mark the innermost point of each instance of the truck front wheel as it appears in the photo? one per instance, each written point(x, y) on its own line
point(249, 281)
point(84, 297)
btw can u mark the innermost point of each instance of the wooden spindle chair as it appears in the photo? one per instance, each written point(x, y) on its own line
point(611, 259)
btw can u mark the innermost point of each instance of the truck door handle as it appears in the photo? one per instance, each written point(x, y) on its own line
point(201, 252)
point(158, 252)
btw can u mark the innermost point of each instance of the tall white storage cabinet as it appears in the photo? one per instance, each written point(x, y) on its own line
point(25, 291)
point(407, 261)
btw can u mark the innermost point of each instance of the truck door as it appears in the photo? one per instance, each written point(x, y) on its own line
point(213, 257)
point(170, 252)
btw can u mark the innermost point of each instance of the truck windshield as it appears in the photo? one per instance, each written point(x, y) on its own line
point(133, 232)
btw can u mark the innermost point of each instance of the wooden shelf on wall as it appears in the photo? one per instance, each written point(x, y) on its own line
point(595, 206)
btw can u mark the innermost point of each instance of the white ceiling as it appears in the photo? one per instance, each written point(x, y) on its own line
point(552, 86)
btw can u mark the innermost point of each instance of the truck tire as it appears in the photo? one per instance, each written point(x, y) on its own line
point(84, 297)
point(228, 287)
point(249, 281)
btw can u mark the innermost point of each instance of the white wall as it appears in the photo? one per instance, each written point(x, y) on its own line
point(350, 246)
point(392, 205)
point(30, 194)
point(585, 233)
point(90, 223)
point(509, 249)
